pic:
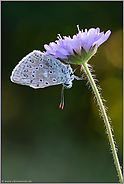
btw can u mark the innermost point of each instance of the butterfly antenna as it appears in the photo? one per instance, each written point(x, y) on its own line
point(75, 69)
point(62, 98)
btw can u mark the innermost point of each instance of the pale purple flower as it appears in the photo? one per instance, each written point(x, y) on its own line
point(65, 46)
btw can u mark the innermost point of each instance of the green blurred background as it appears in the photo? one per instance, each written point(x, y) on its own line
point(41, 142)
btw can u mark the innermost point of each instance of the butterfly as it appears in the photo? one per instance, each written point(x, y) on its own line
point(39, 70)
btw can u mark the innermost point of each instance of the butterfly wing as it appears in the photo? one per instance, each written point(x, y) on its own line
point(38, 70)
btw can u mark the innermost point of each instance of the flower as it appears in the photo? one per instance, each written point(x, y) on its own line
point(80, 48)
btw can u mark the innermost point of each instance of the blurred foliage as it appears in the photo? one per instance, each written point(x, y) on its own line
point(41, 142)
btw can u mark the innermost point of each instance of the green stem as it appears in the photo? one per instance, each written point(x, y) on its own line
point(106, 121)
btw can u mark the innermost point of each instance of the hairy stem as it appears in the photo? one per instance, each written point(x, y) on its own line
point(105, 118)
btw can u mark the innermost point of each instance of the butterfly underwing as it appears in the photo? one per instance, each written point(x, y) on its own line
point(39, 70)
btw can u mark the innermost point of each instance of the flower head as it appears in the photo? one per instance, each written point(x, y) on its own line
point(82, 46)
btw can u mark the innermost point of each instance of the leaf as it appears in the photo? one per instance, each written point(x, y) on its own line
point(83, 53)
point(74, 60)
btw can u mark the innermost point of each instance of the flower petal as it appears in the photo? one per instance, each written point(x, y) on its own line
point(102, 39)
point(71, 46)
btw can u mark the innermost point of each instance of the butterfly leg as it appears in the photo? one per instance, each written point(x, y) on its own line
point(68, 83)
point(78, 78)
